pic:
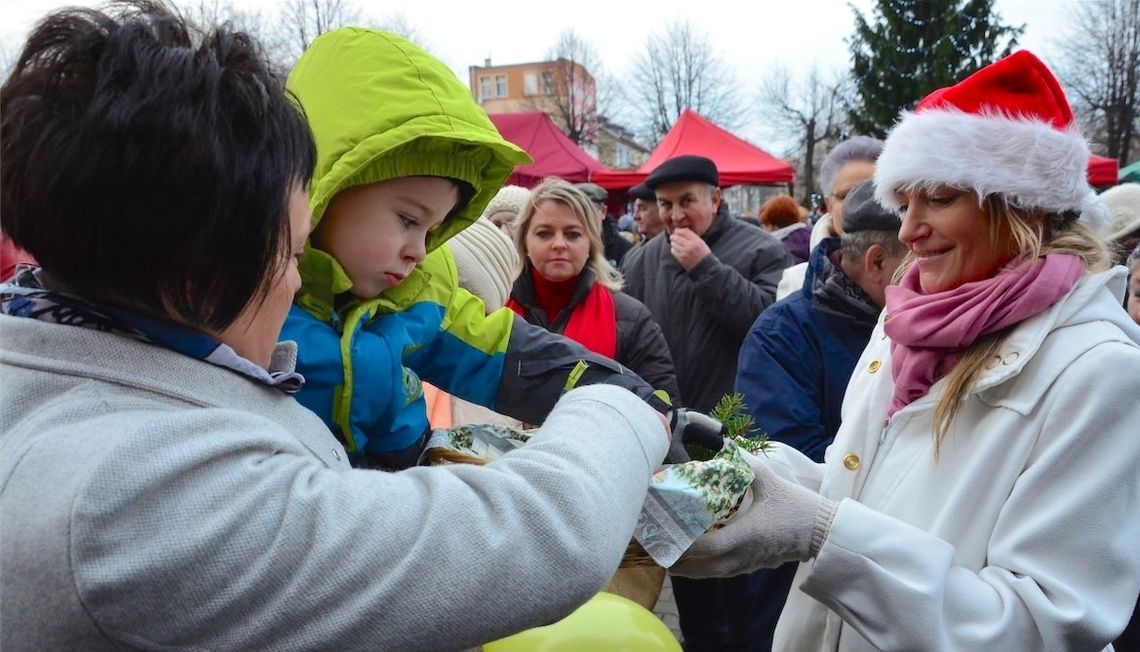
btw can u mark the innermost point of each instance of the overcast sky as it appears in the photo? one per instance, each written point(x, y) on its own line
point(797, 33)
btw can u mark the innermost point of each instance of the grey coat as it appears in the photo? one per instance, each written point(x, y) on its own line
point(705, 313)
point(150, 500)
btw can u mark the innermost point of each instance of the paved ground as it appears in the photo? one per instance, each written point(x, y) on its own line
point(666, 609)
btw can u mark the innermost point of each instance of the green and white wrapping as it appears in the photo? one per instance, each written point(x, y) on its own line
point(487, 441)
point(683, 502)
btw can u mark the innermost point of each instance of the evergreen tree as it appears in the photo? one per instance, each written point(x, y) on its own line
point(912, 47)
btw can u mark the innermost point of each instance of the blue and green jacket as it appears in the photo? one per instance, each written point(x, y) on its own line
point(382, 108)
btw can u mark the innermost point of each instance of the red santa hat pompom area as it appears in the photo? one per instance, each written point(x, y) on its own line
point(1006, 129)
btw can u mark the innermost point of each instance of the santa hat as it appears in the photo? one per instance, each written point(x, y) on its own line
point(1006, 129)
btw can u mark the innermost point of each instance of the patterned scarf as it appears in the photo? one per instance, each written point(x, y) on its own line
point(929, 332)
point(836, 293)
point(25, 296)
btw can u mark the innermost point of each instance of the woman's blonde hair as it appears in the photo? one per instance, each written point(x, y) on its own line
point(1035, 234)
point(555, 189)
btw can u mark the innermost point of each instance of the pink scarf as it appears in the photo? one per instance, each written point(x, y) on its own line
point(929, 332)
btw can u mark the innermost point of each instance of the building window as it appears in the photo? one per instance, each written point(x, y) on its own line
point(500, 85)
point(486, 87)
point(623, 156)
point(530, 84)
point(547, 82)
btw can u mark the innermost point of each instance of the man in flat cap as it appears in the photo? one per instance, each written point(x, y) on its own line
point(648, 220)
point(613, 244)
point(705, 281)
point(797, 358)
point(645, 212)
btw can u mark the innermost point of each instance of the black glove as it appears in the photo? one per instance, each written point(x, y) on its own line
point(690, 427)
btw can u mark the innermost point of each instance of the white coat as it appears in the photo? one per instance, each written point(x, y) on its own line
point(1020, 533)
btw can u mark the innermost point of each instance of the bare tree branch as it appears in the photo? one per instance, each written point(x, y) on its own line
point(299, 22)
point(812, 108)
point(570, 93)
point(680, 69)
point(1099, 64)
point(208, 14)
point(398, 23)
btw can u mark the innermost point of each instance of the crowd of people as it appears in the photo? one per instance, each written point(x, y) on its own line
point(235, 304)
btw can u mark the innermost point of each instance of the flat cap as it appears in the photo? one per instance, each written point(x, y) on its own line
point(862, 212)
point(594, 192)
point(684, 168)
point(643, 192)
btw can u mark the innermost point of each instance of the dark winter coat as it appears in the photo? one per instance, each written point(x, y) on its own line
point(614, 245)
point(640, 345)
point(797, 358)
point(705, 313)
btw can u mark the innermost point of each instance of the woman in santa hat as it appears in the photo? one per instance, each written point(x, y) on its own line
point(982, 491)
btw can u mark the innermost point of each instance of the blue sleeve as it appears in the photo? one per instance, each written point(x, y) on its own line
point(780, 374)
point(467, 355)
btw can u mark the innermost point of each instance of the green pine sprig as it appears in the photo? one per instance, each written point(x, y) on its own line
point(732, 411)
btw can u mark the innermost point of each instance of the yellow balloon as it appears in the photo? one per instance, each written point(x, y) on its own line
point(606, 622)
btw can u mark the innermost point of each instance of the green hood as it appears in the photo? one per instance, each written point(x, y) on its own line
point(382, 108)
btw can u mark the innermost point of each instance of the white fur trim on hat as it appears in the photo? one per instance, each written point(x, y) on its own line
point(485, 259)
point(1032, 164)
point(1123, 203)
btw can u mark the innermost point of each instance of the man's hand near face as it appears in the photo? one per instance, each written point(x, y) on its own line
point(688, 248)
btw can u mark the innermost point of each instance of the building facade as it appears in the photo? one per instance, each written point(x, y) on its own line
point(617, 148)
point(561, 88)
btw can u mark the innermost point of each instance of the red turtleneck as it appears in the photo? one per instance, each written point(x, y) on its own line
point(593, 324)
point(552, 296)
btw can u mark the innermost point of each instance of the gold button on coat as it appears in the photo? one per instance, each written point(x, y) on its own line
point(874, 366)
point(851, 461)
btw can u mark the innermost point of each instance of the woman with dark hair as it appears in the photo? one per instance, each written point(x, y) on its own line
point(160, 487)
point(981, 492)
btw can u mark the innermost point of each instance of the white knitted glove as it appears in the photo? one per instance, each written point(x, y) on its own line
point(784, 522)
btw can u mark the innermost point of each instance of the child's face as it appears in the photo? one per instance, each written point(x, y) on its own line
point(378, 232)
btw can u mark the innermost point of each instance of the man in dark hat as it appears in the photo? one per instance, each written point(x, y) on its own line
point(614, 245)
point(797, 358)
point(705, 281)
point(645, 212)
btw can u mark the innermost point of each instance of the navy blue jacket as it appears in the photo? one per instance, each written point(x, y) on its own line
point(796, 360)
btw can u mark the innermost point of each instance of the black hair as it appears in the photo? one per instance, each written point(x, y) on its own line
point(147, 163)
point(466, 193)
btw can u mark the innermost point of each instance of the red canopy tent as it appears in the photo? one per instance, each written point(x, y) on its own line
point(1102, 171)
point(737, 160)
point(554, 154)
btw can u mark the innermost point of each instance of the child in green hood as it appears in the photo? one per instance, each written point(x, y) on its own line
point(407, 159)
